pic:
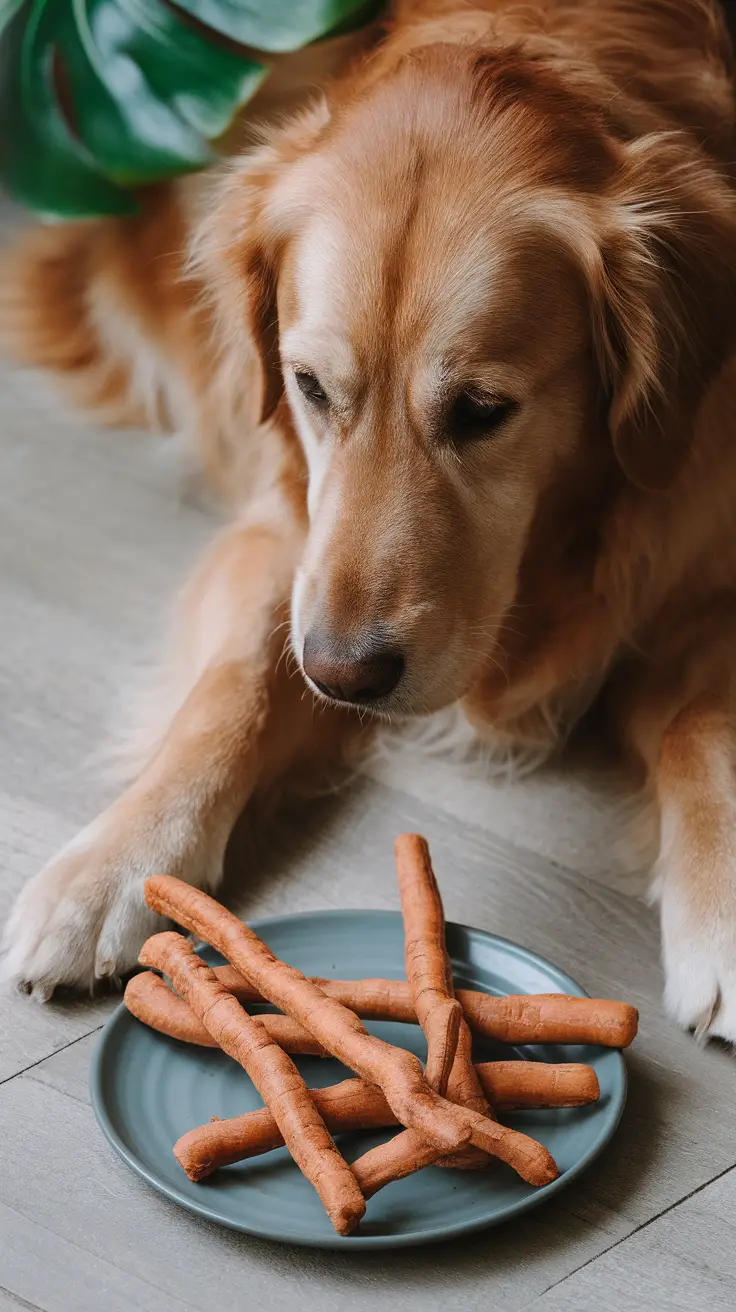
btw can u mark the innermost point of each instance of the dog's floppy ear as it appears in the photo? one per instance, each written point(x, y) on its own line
point(237, 266)
point(237, 250)
point(259, 277)
point(666, 303)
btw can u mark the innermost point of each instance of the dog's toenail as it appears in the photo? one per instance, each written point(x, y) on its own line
point(25, 986)
point(705, 1020)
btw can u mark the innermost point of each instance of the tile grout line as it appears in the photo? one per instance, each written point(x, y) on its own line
point(644, 1225)
point(49, 1055)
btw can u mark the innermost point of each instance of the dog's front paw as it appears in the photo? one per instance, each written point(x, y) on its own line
point(699, 952)
point(84, 917)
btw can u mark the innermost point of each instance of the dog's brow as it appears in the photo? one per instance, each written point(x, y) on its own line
point(326, 354)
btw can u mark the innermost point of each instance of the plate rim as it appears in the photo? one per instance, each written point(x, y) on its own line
point(357, 1242)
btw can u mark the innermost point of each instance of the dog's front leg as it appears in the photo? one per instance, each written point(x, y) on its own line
point(242, 721)
point(682, 719)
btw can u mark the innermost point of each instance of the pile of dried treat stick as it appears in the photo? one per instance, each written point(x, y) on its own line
point(447, 1109)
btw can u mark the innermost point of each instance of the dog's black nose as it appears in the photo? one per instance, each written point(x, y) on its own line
point(357, 672)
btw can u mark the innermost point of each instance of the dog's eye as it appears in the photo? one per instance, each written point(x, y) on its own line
point(472, 416)
point(309, 386)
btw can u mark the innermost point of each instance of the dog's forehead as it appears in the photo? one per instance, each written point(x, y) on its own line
point(386, 281)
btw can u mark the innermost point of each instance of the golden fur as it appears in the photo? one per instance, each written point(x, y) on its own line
point(533, 205)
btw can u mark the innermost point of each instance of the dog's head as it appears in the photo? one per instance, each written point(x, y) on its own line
point(468, 286)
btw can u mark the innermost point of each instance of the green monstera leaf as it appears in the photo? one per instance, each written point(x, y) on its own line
point(278, 25)
point(99, 97)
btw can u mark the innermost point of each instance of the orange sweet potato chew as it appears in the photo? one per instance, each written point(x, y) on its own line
point(428, 968)
point(164, 1011)
point(274, 1074)
point(514, 1084)
point(354, 1105)
point(464, 1087)
point(516, 1018)
point(150, 1001)
point(397, 1072)
point(349, 1105)
point(430, 979)
point(409, 1152)
point(429, 975)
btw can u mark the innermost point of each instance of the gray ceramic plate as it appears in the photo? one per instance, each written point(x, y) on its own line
point(148, 1089)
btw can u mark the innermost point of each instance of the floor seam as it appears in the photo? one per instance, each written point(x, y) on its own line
point(20, 1300)
point(46, 1084)
point(32, 1064)
point(644, 1225)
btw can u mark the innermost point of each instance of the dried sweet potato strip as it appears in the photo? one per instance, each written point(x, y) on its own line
point(150, 1001)
point(409, 1152)
point(354, 1105)
point(428, 969)
point(530, 1011)
point(397, 1072)
point(464, 1088)
point(349, 1105)
point(274, 1074)
point(516, 1018)
point(429, 975)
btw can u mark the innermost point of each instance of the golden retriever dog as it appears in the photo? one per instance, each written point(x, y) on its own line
point(457, 344)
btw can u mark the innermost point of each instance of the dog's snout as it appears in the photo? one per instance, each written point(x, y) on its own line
point(360, 672)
